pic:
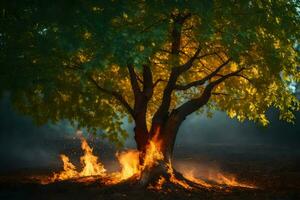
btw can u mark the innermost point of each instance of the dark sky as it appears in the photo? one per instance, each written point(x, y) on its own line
point(24, 144)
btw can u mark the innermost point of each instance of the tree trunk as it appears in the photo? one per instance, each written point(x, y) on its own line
point(165, 135)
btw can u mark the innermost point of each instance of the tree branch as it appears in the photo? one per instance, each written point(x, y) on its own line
point(178, 21)
point(133, 80)
point(244, 77)
point(219, 93)
point(186, 66)
point(157, 81)
point(139, 79)
point(147, 81)
point(202, 81)
point(194, 104)
point(153, 24)
point(114, 94)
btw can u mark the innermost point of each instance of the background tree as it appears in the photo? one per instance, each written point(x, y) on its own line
point(155, 62)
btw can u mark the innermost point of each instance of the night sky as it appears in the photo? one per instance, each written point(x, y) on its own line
point(23, 144)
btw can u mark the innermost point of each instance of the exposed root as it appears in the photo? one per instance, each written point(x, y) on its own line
point(163, 176)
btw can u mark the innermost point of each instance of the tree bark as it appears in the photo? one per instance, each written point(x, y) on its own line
point(165, 136)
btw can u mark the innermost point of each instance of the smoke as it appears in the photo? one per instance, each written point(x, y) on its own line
point(23, 144)
point(220, 129)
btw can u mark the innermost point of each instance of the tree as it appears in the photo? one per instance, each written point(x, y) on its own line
point(155, 62)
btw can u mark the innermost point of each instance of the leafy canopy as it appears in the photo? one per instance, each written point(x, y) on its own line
point(50, 51)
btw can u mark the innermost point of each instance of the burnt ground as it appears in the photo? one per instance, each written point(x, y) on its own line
point(275, 170)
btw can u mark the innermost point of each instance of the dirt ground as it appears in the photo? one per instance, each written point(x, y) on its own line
point(275, 171)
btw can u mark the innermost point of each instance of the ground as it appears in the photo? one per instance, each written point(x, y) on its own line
point(274, 170)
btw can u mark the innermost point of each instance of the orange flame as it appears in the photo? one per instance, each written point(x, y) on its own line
point(228, 180)
point(91, 166)
point(130, 166)
point(153, 155)
point(190, 175)
point(212, 175)
point(174, 180)
point(68, 172)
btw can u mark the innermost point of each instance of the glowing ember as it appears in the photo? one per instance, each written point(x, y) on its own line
point(159, 184)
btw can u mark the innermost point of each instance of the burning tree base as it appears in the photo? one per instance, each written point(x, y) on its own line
point(155, 173)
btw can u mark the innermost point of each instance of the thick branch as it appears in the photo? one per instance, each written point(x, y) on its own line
point(186, 66)
point(140, 105)
point(114, 94)
point(139, 79)
point(162, 111)
point(176, 32)
point(133, 80)
point(171, 85)
point(194, 104)
point(202, 81)
point(106, 91)
point(147, 81)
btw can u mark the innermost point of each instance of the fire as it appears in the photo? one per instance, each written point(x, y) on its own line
point(174, 180)
point(130, 167)
point(228, 180)
point(190, 175)
point(153, 155)
point(159, 185)
point(130, 164)
point(91, 166)
point(68, 172)
point(193, 173)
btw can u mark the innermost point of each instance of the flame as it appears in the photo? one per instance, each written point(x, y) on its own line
point(68, 172)
point(153, 155)
point(228, 180)
point(130, 167)
point(190, 175)
point(153, 151)
point(193, 173)
point(173, 178)
point(130, 164)
point(91, 166)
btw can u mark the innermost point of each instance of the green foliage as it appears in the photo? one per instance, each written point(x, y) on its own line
point(43, 43)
